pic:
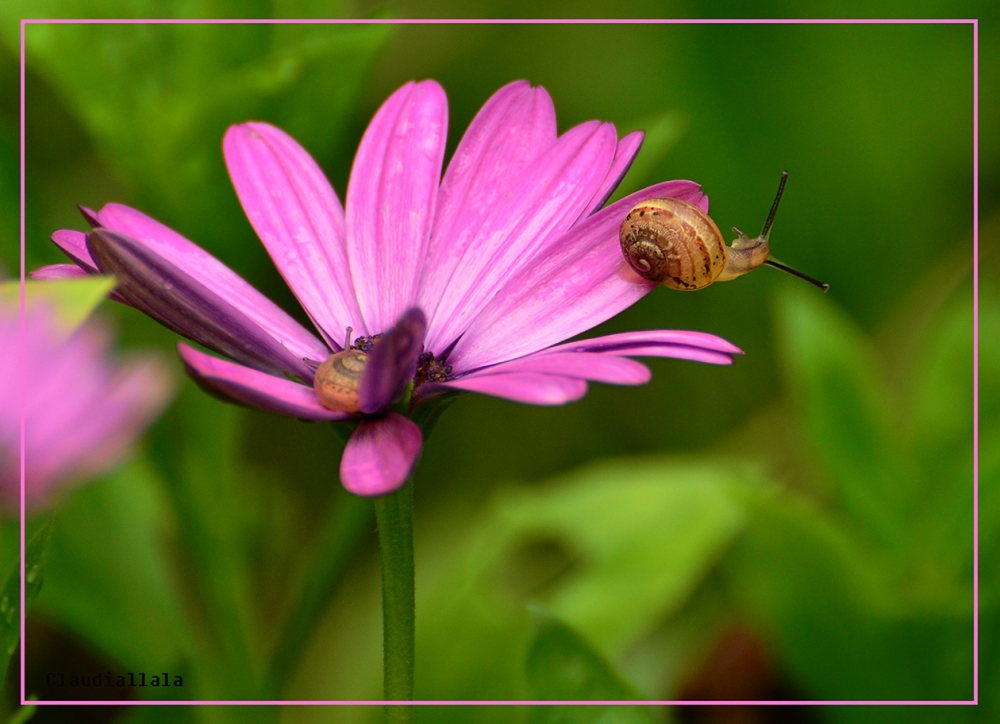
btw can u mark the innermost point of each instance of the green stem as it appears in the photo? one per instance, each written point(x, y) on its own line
point(347, 521)
point(394, 514)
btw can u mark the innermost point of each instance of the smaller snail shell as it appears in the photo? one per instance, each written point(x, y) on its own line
point(669, 241)
point(338, 380)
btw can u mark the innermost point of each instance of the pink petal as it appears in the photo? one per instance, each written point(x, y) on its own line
point(692, 354)
point(215, 275)
point(391, 198)
point(392, 363)
point(581, 365)
point(89, 215)
point(171, 296)
point(58, 271)
point(628, 149)
point(87, 439)
point(298, 217)
point(253, 388)
point(81, 412)
point(552, 193)
point(626, 343)
point(74, 245)
point(529, 387)
point(380, 455)
point(579, 281)
point(513, 127)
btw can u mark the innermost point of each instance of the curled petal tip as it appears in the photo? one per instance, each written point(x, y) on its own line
point(393, 362)
point(90, 216)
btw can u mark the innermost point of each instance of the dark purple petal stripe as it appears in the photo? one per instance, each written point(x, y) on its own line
point(169, 295)
point(528, 387)
point(626, 342)
point(213, 274)
point(392, 363)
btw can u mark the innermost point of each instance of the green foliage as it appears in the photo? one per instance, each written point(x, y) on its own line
point(834, 372)
point(640, 539)
point(848, 544)
point(24, 714)
point(872, 599)
point(9, 192)
point(196, 453)
point(155, 100)
point(611, 550)
point(662, 132)
point(562, 666)
point(111, 581)
point(71, 300)
point(35, 554)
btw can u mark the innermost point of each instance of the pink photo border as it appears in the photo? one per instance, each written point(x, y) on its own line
point(548, 21)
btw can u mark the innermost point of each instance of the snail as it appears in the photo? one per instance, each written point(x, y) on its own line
point(338, 378)
point(669, 241)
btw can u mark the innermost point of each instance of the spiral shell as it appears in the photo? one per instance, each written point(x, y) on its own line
point(669, 241)
point(338, 380)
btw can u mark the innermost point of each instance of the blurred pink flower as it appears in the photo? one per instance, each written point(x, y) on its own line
point(82, 411)
point(470, 278)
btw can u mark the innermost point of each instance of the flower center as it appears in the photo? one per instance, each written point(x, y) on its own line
point(365, 344)
point(431, 369)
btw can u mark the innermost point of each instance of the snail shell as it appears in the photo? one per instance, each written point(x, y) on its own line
point(669, 241)
point(338, 380)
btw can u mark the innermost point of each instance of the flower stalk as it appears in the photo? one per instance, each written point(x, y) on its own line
point(394, 516)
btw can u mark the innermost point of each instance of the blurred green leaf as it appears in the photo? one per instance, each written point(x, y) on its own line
point(9, 182)
point(35, 554)
point(640, 539)
point(196, 451)
point(562, 666)
point(847, 621)
point(825, 602)
point(24, 713)
point(109, 576)
point(72, 300)
point(176, 88)
point(612, 550)
point(835, 374)
point(943, 391)
point(942, 439)
point(803, 578)
point(165, 715)
point(989, 444)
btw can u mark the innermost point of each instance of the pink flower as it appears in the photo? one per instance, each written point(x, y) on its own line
point(472, 278)
point(82, 411)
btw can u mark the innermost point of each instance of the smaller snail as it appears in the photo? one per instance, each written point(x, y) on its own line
point(338, 378)
point(669, 241)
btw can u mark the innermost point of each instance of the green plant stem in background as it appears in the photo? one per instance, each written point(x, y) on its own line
point(336, 544)
point(394, 514)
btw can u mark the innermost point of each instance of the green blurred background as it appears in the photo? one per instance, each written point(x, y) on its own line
point(796, 526)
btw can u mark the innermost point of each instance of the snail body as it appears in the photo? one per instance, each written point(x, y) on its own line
point(672, 242)
point(338, 380)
